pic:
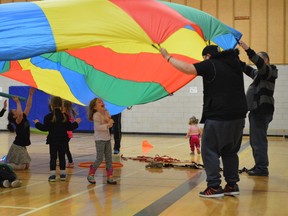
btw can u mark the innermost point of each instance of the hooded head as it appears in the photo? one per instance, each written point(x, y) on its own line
point(210, 49)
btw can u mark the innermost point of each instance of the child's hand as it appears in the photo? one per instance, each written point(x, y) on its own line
point(16, 99)
point(78, 120)
point(35, 121)
point(31, 91)
point(5, 104)
point(110, 123)
point(243, 45)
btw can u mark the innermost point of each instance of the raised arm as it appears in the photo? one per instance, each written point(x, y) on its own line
point(261, 63)
point(19, 112)
point(248, 70)
point(178, 64)
point(46, 124)
point(4, 108)
point(5, 105)
point(29, 101)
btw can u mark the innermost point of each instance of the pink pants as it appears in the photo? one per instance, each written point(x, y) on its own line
point(194, 142)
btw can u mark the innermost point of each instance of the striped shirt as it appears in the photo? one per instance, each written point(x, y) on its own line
point(260, 93)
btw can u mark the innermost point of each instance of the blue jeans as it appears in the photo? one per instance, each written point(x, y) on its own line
point(258, 139)
point(221, 139)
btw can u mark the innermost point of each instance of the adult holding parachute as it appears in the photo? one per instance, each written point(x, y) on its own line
point(224, 113)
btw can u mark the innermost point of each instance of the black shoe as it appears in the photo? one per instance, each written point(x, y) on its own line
point(251, 169)
point(63, 177)
point(231, 191)
point(257, 172)
point(52, 178)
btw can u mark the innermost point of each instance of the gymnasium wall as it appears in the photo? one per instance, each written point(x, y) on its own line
point(264, 26)
point(264, 23)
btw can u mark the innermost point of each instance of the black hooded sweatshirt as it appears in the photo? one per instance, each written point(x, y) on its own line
point(223, 84)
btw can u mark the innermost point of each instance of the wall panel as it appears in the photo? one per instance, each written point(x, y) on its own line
point(244, 27)
point(242, 8)
point(286, 32)
point(259, 25)
point(226, 12)
point(242, 22)
point(179, 2)
point(210, 7)
point(194, 3)
point(6, 1)
point(276, 30)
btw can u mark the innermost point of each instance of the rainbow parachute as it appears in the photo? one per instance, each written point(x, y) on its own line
point(79, 50)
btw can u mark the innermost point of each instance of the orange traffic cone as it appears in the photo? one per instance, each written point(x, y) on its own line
point(146, 146)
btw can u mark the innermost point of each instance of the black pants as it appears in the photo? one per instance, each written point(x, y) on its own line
point(116, 130)
point(60, 150)
point(68, 153)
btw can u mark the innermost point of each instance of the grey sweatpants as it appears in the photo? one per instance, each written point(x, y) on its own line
point(221, 139)
point(103, 148)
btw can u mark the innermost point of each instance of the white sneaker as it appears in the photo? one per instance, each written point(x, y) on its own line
point(16, 183)
point(6, 184)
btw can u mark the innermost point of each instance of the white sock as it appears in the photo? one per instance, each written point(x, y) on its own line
point(52, 172)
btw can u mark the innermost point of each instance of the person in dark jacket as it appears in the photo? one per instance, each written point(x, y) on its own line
point(260, 102)
point(223, 115)
point(8, 177)
point(57, 124)
point(117, 133)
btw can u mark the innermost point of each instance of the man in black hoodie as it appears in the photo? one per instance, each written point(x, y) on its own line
point(224, 113)
point(260, 102)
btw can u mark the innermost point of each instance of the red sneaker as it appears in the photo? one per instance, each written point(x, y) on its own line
point(212, 193)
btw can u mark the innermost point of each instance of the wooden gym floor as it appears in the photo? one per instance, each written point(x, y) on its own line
point(142, 191)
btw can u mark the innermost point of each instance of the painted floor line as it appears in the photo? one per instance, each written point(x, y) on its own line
point(15, 207)
point(59, 201)
point(180, 144)
point(70, 197)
